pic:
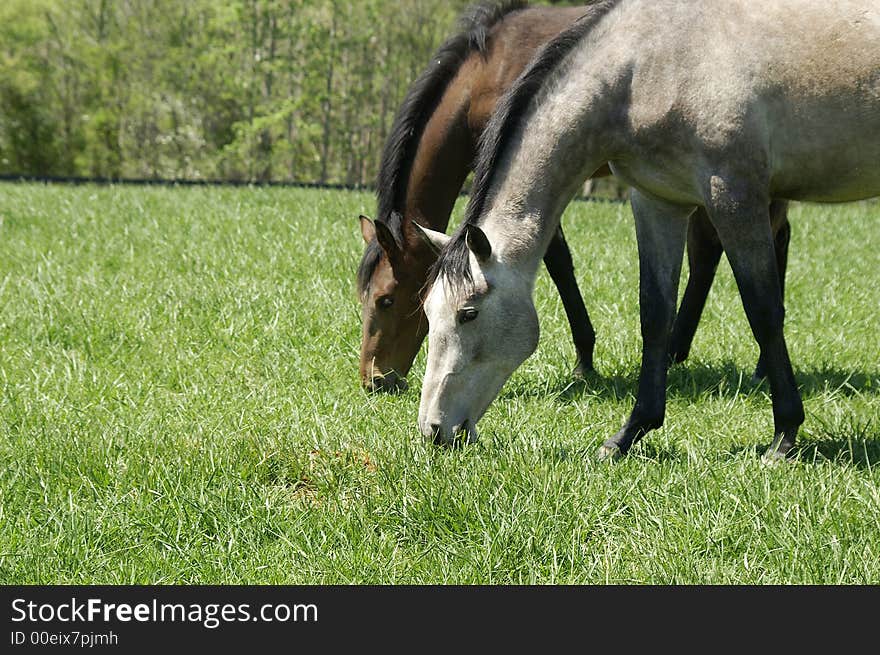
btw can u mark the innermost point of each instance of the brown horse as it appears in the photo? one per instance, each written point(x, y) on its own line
point(428, 155)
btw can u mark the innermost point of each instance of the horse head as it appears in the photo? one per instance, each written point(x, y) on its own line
point(482, 325)
point(394, 325)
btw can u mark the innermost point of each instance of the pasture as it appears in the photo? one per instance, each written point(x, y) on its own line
point(179, 403)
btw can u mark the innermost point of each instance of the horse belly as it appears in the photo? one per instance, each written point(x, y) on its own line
point(833, 159)
point(669, 178)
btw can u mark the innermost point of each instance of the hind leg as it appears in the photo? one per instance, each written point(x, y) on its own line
point(704, 253)
point(661, 231)
point(741, 217)
point(782, 229)
point(561, 269)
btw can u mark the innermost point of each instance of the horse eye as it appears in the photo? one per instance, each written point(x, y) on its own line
point(467, 314)
point(385, 302)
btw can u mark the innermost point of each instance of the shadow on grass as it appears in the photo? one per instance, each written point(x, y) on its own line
point(862, 454)
point(850, 451)
point(696, 380)
point(644, 450)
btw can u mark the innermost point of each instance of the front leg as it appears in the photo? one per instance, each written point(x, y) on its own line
point(704, 253)
point(561, 269)
point(660, 231)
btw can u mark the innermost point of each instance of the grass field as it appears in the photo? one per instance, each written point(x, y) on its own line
point(179, 403)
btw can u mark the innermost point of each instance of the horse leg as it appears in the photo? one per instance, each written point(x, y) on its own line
point(704, 253)
point(743, 224)
point(561, 269)
point(782, 228)
point(661, 230)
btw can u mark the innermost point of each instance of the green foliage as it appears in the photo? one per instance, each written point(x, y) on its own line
point(251, 89)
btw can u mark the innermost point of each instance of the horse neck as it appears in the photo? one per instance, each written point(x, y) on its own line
point(448, 143)
point(531, 193)
point(443, 158)
point(563, 141)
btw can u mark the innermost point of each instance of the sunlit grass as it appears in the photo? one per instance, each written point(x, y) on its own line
point(179, 403)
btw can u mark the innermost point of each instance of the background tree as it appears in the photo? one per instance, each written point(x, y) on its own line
point(297, 90)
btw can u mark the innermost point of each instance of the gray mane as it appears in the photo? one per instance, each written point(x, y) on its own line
point(512, 108)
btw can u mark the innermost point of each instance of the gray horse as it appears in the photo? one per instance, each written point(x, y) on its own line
point(719, 104)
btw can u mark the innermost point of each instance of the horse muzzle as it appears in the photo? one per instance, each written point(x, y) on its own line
point(390, 382)
point(464, 432)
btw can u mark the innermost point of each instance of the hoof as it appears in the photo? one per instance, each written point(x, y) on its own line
point(778, 451)
point(608, 453)
point(675, 357)
point(773, 458)
point(582, 370)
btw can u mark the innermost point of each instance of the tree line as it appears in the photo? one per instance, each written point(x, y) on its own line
point(256, 90)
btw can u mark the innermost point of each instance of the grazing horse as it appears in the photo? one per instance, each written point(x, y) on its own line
point(731, 104)
point(425, 161)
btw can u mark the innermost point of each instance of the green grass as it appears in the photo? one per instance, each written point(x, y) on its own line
point(179, 403)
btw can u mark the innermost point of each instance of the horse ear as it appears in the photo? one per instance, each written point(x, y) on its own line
point(434, 240)
point(386, 239)
point(477, 243)
point(368, 230)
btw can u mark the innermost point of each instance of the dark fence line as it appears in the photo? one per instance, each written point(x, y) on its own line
point(154, 181)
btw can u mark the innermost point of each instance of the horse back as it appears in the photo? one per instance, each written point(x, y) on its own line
point(790, 88)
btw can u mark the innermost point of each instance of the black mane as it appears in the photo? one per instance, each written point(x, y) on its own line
point(511, 109)
point(423, 96)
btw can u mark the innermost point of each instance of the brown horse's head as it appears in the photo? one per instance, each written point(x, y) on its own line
point(390, 278)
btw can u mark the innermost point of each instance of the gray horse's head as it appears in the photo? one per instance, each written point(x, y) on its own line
point(482, 325)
